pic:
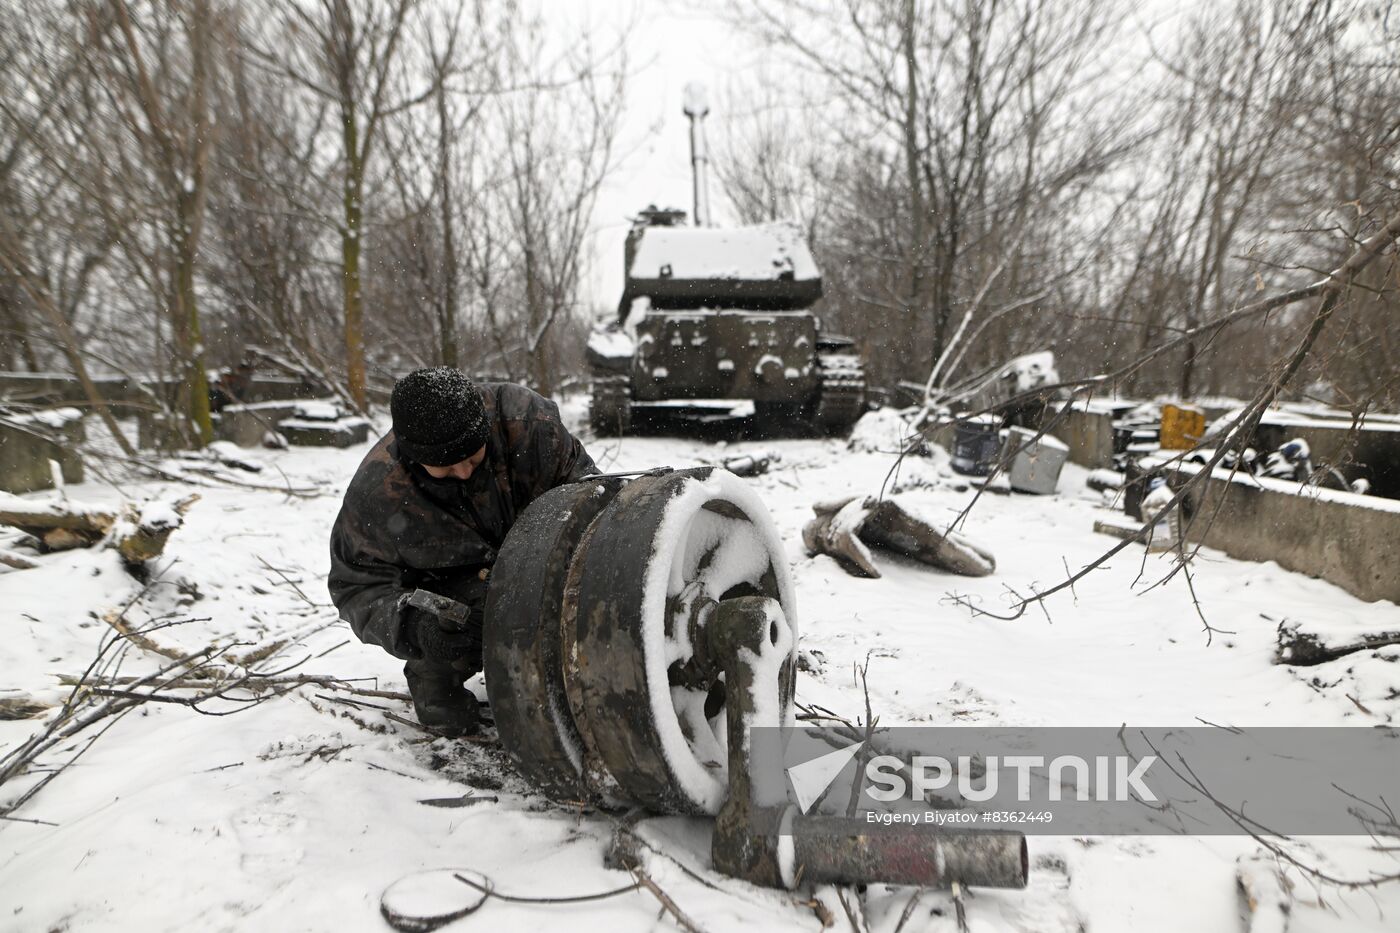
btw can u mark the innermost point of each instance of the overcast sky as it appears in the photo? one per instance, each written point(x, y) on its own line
point(673, 42)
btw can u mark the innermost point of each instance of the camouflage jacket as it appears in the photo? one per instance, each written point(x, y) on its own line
point(400, 529)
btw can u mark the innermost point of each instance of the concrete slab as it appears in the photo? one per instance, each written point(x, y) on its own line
point(1350, 540)
point(29, 441)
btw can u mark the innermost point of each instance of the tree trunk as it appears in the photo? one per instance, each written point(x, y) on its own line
point(917, 235)
point(195, 382)
point(350, 267)
point(534, 314)
point(447, 309)
point(1188, 366)
point(19, 352)
point(1302, 648)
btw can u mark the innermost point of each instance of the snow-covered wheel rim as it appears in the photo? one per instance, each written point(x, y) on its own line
point(521, 651)
point(657, 560)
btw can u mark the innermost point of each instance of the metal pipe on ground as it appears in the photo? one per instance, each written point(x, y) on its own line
point(780, 847)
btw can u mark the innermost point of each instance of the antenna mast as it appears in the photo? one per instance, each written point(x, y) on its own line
point(695, 107)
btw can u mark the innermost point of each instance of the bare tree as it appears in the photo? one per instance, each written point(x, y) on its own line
point(51, 248)
point(432, 166)
point(1237, 85)
point(350, 53)
point(769, 168)
point(557, 118)
point(161, 72)
point(271, 263)
point(961, 130)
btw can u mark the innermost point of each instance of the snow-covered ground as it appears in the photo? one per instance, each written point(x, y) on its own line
point(296, 814)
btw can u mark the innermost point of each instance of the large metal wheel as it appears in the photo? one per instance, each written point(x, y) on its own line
point(655, 564)
point(521, 652)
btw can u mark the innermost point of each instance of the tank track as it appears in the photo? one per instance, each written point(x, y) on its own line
point(610, 410)
point(841, 396)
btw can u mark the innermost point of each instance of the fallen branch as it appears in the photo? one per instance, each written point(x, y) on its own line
point(77, 525)
point(669, 905)
point(199, 680)
point(21, 707)
point(908, 910)
point(69, 723)
point(137, 534)
point(1305, 649)
point(850, 912)
point(142, 536)
point(136, 638)
point(17, 561)
point(211, 674)
point(1276, 843)
point(1267, 892)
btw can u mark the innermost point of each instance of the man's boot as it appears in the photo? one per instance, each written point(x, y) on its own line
point(441, 702)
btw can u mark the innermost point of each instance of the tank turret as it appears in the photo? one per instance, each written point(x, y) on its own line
point(763, 267)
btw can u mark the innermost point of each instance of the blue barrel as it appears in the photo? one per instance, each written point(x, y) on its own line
point(976, 444)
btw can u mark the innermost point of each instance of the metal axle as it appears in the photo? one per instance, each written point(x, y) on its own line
point(820, 849)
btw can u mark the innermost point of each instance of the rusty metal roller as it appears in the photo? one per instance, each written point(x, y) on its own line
point(595, 665)
point(521, 655)
point(646, 695)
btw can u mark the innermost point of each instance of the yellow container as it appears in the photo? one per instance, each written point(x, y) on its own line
point(1182, 427)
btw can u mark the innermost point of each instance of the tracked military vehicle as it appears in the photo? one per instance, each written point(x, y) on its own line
point(721, 314)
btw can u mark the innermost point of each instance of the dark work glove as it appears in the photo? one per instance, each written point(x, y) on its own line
point(460, 649)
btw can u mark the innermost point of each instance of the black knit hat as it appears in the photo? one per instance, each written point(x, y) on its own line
point(438, 416)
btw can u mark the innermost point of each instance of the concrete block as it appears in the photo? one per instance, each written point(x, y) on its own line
point(1370, 449)
point(29, 441)
point(1087, 433)
point(343, 432)
point(245, 425)
point(1349, 540)
point(270, 388)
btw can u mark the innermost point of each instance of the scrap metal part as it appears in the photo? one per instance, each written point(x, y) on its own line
point(524, 671)
point(616, 654)
point(847, 528)
point(590, 649)
point(636, 631)
point(778, 846)
point(835, 532)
